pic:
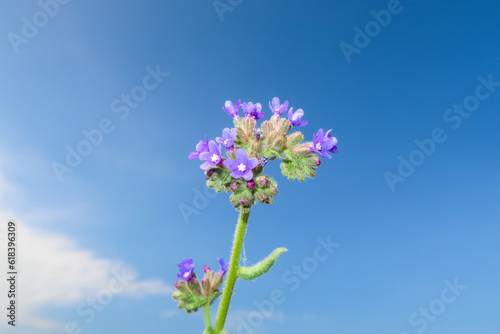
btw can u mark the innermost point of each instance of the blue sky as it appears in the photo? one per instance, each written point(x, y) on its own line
point(411, 200)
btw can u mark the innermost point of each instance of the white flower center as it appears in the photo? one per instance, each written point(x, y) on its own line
point(215, 157)
point(318, 146)
point(242, 167)
point(186, 275)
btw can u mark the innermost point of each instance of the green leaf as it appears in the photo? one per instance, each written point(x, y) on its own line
point(250, 273)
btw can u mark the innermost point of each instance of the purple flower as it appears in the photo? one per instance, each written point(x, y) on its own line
point(295, 118)
point(228, 137)
point(252, 110)
point(186, 268)
point(201, 147)
point(263, 161)
point(324, 143)
point(224, 267)
point(212, 157)
point(242, 166)
point(278, 108)
point(232, 109)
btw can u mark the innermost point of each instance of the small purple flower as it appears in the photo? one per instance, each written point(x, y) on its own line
point(186, 268)
point(295, 118)
point(201, 147)
point(278, 108)
point(224, 267)
point(228, 137)
point(212, 157)
point(252, 110)
point(232, 109)
point(324, 143)
point(242, 166)
point(263, 161)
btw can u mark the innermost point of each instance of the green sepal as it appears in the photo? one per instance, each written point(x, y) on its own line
point(250, 273)
point(218, 178)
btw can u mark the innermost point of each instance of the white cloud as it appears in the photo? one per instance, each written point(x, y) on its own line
point(55, 272)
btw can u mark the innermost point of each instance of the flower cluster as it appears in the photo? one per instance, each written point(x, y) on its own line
point(249, 149)
point(190, 294)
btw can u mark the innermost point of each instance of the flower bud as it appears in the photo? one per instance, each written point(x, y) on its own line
point(217, 281)
point(251, 184)
point(276, 141)
point(273, 191)
point(205, 283)
point(234, 186)
point(245, 200)
point(241, 136)
point(205, 269)
point(302, 150)
point(246, 125)
point(182, 286)
point(284, 126)
point(257, 147)
point(263, 181)
point(194, 285)
point(313, 161)
point(294, 139)
point(262, 197)
point(267, 128)
point(176, 295)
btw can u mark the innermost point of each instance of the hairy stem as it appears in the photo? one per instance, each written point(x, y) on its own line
point(208, 322)
point(239, 236)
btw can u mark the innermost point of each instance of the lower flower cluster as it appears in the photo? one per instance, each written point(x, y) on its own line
point(190, 294)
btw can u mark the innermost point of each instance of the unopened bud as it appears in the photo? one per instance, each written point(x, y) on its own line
point(246, 125)
point(217, 281)
point(182, 286)
point(257, 147)
point(302, 150)
point(273, 191)
point(205, 283)
point(234, 186)
point(250, 184)
point(275, 141)
point(176, 295)
point(294, 139)
point(263, 180)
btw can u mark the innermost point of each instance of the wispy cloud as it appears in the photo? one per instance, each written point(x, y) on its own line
point(55, 271)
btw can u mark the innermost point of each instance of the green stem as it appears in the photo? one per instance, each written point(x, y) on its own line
point(208, 322)
point(234, 262)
